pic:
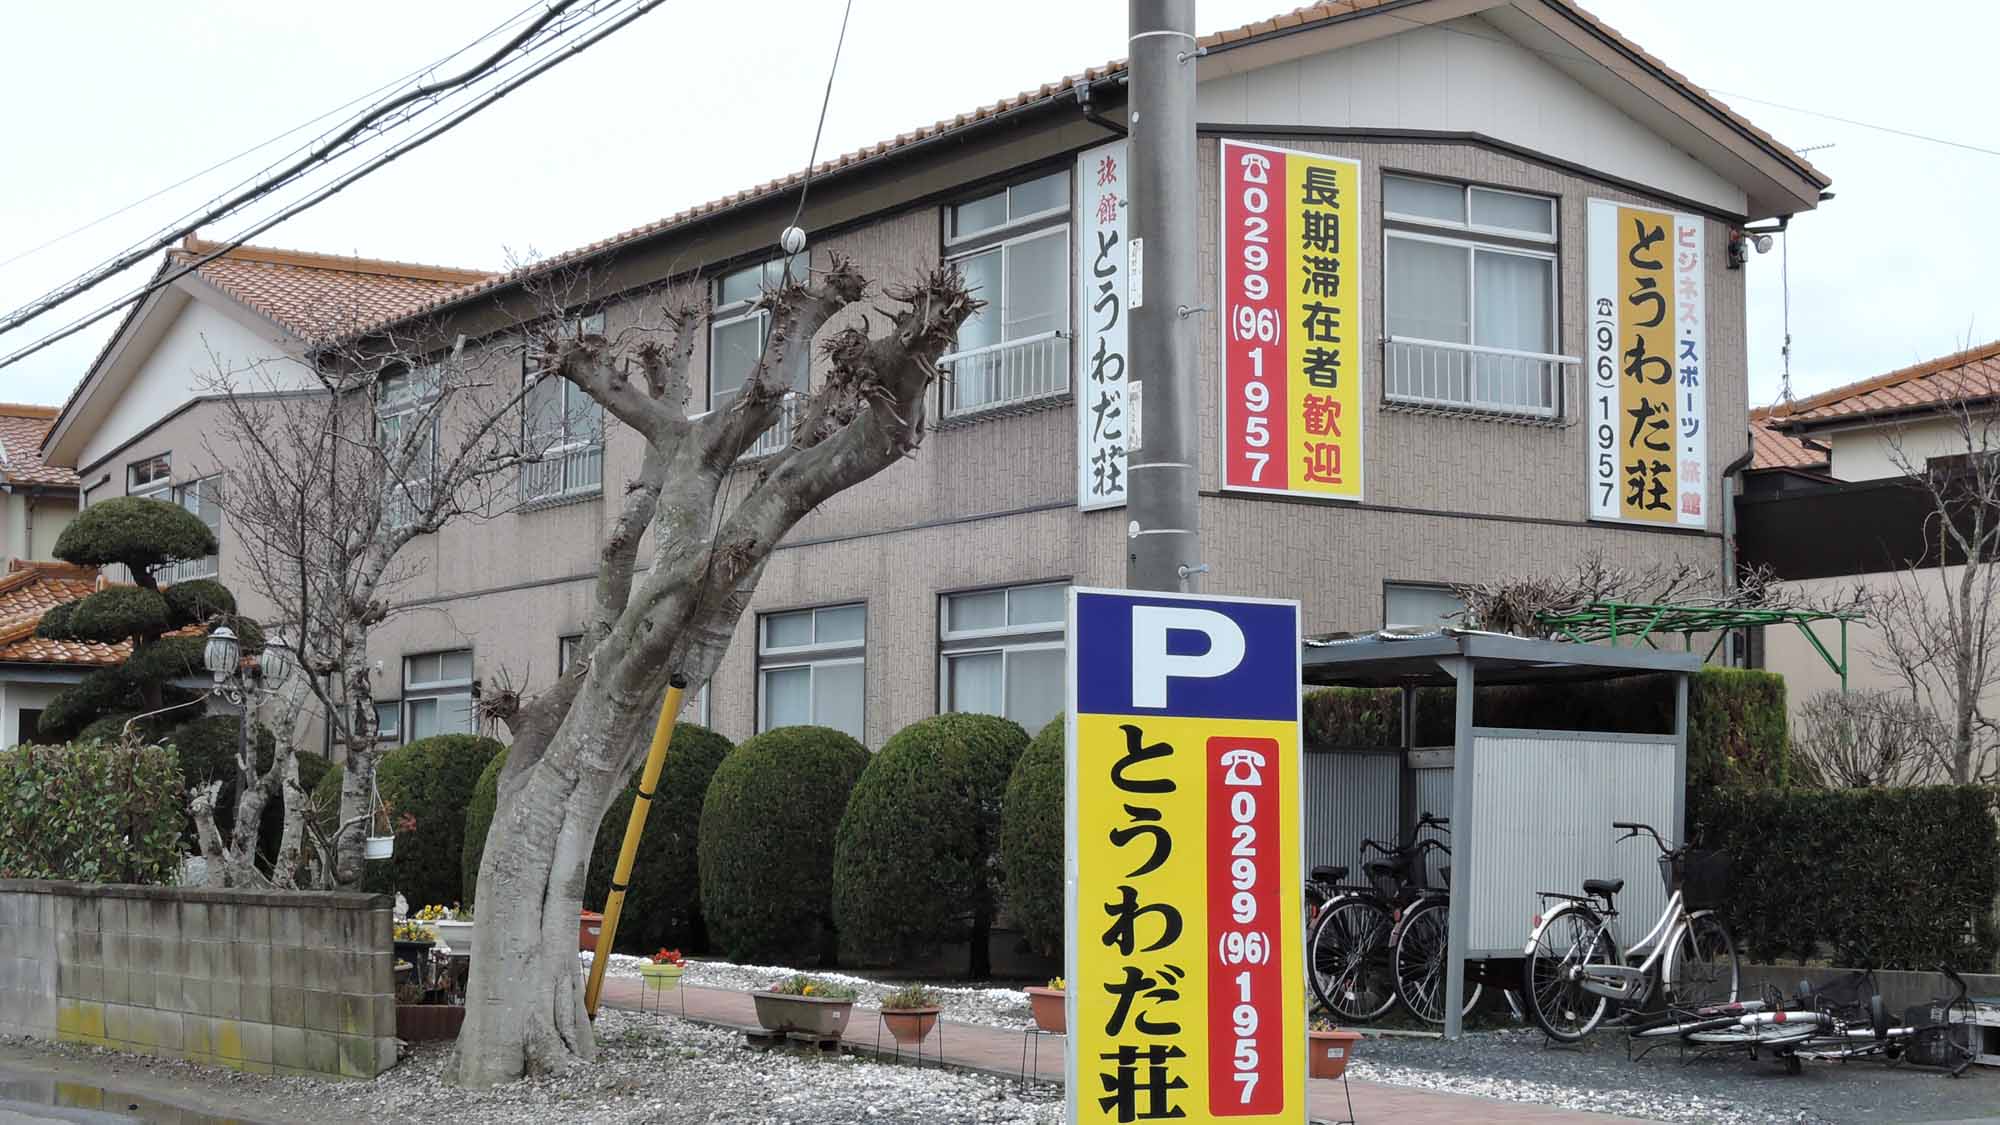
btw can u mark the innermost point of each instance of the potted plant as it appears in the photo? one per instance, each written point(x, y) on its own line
point(910, 1012)
point(663, 969)
point(587, 929)
point(413, 941)
point(380, 842)
point(805, 1005)
point(1050, 1006)
point(454, 927)
point(1328, 1049)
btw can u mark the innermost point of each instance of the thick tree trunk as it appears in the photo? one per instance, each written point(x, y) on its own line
point(357, 783)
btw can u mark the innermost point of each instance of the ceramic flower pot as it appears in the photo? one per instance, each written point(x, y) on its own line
point(1327, 1052)
point(806, 1015)
point(910, 1025)
point(1051, 1008)
point(586, 931)
point(661, 976)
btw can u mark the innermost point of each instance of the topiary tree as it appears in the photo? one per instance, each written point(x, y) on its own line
point(427, 785)
point(1031, 841)
point(917, 862)
point(663, 904)
point(766, 846)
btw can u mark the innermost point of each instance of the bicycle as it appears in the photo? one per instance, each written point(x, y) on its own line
point(1420, 945)
point(1572, 970)
point(1350, 949)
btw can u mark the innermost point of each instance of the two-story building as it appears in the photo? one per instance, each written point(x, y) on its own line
point(1505, 331)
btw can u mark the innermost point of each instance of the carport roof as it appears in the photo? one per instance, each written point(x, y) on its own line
point(1401, 660)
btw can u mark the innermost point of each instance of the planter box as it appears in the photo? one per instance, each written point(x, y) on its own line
point(910, 1025)
point(1328, 1052)
point(1051, 1008)
point(456, 935)
point(810, 1016)
point(422, 1023)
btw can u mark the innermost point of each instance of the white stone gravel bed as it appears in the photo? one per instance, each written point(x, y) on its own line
point(992, 1007)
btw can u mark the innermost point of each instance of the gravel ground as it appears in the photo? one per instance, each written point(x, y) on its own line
point(649, 1069)
point(1726, 1089)
point(992, 1007)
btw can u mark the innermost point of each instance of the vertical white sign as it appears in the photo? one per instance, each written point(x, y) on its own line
point(1106, 396)
point(1691, 366)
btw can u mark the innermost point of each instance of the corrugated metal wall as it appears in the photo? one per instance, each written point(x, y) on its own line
point(1542, 813)
point(1348, 796)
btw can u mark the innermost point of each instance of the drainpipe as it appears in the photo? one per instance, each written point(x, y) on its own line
point(1729, 475)
point(28, 524)
point(1090, 114)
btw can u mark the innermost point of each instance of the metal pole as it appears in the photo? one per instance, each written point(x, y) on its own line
point(1458, 927)
point(1163, 477)
point(621, 877)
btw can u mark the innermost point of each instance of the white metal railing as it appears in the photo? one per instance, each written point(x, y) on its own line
point(1471, 377)
point(564, 470)
point(780, 435)
point(207, 566)
point(1031, 367)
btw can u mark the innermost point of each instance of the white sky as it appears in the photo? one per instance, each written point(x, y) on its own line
point(112, 101)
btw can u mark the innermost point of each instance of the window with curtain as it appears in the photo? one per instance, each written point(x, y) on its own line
point(811, 668)
point(1000, 652)
point(1470, 297)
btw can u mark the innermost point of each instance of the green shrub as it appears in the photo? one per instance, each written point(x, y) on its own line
point(1345, 717)
point(117, 613)
point(207, 751)
point(135, 531)
point(168, 658)
point(1889, 878)
point(478, 822)
point(92, 812)
point(766, 845)
point(1736, 728)
point(916, 861)
point(198, 599)
point(663, 904)
point(430, 782)
point(1031, 841)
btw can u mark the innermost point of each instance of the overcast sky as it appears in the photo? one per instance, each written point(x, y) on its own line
point(112, 101)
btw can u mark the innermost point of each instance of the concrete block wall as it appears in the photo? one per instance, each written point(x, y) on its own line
point(270, 983)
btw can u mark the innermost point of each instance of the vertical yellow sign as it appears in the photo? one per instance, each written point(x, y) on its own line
point(1647, 426)
point(1323, 325)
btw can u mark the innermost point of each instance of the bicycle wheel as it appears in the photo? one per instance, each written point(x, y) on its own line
point(1762, 1035)
point(1705, 969)
point(1351, 975)
point(1420, 960)
point(1565, 943)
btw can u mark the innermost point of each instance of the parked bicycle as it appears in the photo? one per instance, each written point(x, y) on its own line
point(1573, 971)
point(1351, 951)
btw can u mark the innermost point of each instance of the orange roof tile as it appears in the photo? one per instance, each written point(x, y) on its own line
point(22, 428)
point(319, 295)
point(1300, 17)
point(1774, 449)
point(33, 588)
point(1970, 374)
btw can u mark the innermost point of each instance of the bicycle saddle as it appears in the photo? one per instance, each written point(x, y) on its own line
point(1325, 874)
point(1603, 888)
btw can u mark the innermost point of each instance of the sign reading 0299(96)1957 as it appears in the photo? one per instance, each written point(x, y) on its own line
point(1185, 967)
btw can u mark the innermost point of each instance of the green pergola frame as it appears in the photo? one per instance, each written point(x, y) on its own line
point(1640, 622)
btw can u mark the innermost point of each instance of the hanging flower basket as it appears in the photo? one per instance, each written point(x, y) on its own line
point(381, 841)
point(378, 847)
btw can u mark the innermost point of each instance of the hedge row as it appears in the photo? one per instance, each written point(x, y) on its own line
point(1889, 878)
point(1736, 717)
point(93, 812)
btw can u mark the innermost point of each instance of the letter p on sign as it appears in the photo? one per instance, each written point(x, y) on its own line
point(1153, 665)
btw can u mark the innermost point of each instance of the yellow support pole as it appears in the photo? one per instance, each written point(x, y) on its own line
point(621, 877)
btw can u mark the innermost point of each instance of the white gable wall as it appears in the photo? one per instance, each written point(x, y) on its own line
point(1870, 452)
point(1463, 77)
point(201, 338)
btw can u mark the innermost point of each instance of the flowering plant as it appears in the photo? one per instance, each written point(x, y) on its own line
point(1058, 985)
point(908, 997)
point(798, 984)
point(668, 957)
point(431, 913)
point(414, 931)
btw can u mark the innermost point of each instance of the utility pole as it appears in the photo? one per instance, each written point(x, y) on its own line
point(1163, 551)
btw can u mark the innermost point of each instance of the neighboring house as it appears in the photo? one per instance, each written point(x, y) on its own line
point(33, 669)
point(1828, 508)
point(40, 498)
point(1490, 142)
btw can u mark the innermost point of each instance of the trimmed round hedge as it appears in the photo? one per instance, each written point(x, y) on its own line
point(431, 780)
point(116, 613)
point(1031, 841)
point(138, 532)
point(766, 846)
point(915, 865)
point(663, 904)
point(198, 599)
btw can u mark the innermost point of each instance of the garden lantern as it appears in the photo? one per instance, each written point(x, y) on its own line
point(222, 653)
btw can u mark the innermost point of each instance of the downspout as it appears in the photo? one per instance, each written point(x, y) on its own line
point(1091, 115)
point(1729, 475)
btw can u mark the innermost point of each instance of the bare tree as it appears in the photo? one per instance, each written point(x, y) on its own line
point(713, 528)
point(332, 469)
point(1936, 630)
point(1524, 604)
point(230, 858)
point(1857, 740)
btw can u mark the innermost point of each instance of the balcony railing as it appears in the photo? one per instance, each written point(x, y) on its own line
point(997, 375)
point(207, 566)
point(564, 470)
point(780, 435)
point(1473, 378)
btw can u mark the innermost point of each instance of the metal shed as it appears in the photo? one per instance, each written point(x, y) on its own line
point(1530, 809)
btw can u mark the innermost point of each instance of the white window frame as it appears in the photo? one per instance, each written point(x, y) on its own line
point(153, 487)
point(393, 732)
point(208, 566)
point(1468, 226)
point(416, 404)
point(1016, 230)
point(812, 657)
point(415, 691)
point(573, 465)
point(1391, 586)
point(954, 644)
point(745, 309)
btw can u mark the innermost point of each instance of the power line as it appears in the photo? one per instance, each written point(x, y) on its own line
point(172, 274)
point(359, 129)
point(1912, 135)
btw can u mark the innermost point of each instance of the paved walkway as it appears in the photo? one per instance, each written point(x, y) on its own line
point(998, 1051)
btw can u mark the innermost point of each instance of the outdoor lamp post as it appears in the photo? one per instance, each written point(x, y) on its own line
point(223, 657)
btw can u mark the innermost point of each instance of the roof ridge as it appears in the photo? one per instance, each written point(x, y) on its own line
point(26, 410)
point(1897, 377)
point(339, 263)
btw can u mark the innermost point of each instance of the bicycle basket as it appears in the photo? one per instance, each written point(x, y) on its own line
point(1702, 877)
point(1937, 1043)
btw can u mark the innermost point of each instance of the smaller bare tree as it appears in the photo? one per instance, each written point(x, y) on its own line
point(1865, 739)
point(1524, 604)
